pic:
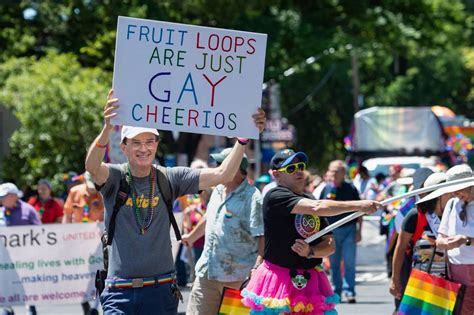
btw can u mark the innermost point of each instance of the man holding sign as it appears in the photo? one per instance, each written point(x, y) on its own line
point(141, 269)
point(173, 77)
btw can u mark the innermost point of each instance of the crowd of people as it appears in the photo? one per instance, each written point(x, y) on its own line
point(250, 235)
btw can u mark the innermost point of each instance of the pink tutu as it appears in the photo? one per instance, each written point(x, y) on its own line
point(272, 290)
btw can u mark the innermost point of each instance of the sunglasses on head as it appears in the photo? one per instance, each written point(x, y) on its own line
point(292, 168)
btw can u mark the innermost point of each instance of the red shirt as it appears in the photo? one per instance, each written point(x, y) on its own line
point(48, 211)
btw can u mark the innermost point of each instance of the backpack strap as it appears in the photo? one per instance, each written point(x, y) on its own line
point(120, 199)
point(166, 192)
point(421, 222)
point(420, 226)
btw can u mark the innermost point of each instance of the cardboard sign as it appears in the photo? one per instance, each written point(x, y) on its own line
point(188, 78)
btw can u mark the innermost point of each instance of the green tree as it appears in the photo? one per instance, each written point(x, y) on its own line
point(59, 105)
point(409, 53)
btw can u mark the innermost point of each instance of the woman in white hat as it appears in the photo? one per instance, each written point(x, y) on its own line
point(419, 225)
point(456, 231)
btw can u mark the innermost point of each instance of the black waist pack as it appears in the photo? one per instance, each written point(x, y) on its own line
point(100, 276)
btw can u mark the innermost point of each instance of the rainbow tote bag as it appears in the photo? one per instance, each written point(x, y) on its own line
point(427, 294)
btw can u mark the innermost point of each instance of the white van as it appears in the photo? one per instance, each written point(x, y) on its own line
point(382, 165)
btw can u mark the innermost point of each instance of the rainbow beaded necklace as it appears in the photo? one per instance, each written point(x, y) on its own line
point(143, 223)
point(332, 194)
point(85, 214)
point(8, 213)
point(8, 216)
point(90, 201)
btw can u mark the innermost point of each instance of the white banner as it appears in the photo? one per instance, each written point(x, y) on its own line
point(49, 264)
point(188, 78)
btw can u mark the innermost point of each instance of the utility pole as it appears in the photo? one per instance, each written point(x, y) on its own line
point(355, 81)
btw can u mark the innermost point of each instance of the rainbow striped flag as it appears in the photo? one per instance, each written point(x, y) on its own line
point(426, 294)
point(231, 303)
point(406, 205)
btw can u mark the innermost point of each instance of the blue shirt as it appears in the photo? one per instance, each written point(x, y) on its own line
point(232, 228)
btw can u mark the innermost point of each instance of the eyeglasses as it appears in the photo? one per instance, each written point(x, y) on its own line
point(292, 168)
point(149, 144)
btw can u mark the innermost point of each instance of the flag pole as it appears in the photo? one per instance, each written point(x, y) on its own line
point(386, 202)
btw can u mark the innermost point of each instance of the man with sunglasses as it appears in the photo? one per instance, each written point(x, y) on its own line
point(140, 277)
point(290, 278)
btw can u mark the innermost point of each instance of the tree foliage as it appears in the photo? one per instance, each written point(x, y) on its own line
point(59, 105)
point(408, 54)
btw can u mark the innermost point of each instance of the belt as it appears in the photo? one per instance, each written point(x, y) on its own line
point(139, 282)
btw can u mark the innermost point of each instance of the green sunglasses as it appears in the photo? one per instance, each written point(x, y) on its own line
point(292, 168)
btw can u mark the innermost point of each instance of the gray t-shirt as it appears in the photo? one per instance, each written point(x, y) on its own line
point(132, 255)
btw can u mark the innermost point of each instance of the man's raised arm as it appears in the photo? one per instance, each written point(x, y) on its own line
point(95, 155)
point(210, 177)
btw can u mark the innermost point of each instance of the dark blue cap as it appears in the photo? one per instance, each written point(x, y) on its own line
point(285, 157)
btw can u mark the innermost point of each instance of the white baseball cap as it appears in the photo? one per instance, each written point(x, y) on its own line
point(10, 188)
point(131, 132)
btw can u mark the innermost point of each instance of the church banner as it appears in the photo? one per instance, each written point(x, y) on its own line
point(49, 264)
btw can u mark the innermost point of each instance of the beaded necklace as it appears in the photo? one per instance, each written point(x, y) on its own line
point(8, 213)
point(87, 208)
point(143, 223)
point(8, 216)
point(332, 194)
point(85, 214)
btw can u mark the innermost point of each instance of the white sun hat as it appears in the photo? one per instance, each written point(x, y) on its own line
point(457, 172)
point(10, 188)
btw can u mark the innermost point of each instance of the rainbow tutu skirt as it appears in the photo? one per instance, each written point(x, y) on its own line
point(277, 290)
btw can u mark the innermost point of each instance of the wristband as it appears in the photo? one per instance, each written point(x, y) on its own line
point(243, 141)
point(100, 146)
point(311, 253)
point(468, 241)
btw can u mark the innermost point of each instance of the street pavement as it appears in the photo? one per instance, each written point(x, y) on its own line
point(372, 282)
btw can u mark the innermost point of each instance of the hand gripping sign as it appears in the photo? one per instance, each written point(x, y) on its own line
point(386, 202)
point(188, 78)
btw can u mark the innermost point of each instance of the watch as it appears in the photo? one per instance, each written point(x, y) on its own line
point(468, 241)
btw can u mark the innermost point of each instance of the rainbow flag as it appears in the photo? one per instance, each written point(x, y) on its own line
point(392, 237)
point(426, 294)
point(406, 205)
point(231, 303)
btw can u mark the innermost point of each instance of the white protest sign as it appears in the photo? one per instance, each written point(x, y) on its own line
point(49, 264)
point(188, 78)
